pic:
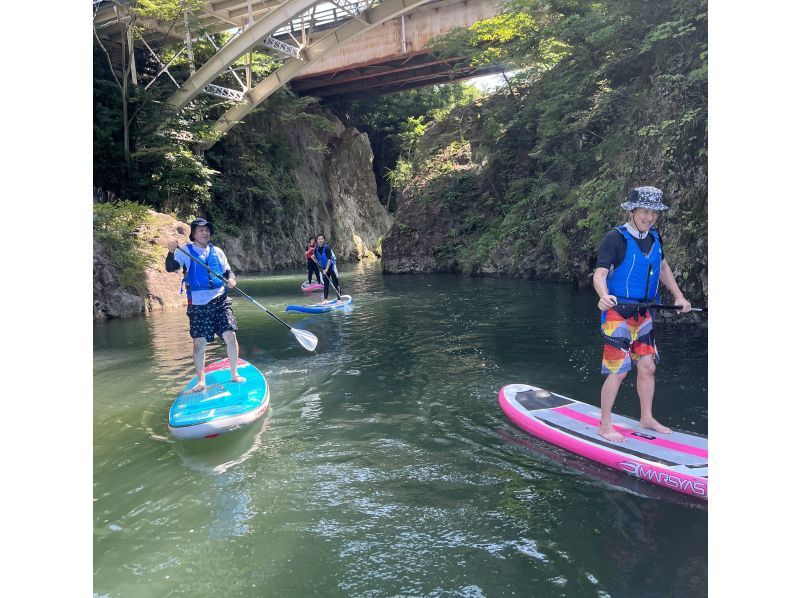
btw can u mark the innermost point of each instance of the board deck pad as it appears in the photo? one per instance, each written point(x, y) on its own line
point(221, 397)
point(533, 401)
point(574, 425)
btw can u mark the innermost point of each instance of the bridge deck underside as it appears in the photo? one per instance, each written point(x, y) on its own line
point(406, 71)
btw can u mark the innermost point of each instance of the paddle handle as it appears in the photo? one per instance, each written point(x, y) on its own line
point(241, 292)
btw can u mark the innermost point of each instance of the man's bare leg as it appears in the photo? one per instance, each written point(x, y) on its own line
point(232, 343)
point(199, 358)
point(608, 394)
point(646, 387)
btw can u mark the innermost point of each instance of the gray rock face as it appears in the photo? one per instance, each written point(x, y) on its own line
point(163, 288)
point(338, 197)
point(110, 299)
point(460, 211)
point(358, 219)
point(427, 226)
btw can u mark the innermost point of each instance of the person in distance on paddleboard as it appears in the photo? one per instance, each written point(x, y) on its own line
point(311, 265)
point(634, 255)
point(327, 262)
point(210, 310)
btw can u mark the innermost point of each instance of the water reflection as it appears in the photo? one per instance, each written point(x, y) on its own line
point(218, 455)
point(384, 465)
point(594, 473)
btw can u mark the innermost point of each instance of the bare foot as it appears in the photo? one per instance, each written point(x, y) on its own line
point(652, 424)
point(238, 379)
point(199, 387)
point(611, 434)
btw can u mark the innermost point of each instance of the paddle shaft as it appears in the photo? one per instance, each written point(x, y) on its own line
point(245, 295)
point(661, 306)
point(325, 276)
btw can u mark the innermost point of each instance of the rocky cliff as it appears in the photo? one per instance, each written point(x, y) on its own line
point(320, 180)
point(113, 300)
point(477, 205)
point(527, 181)
point(326, 185)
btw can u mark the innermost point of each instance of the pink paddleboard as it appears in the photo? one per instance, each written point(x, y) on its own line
point(678, 461)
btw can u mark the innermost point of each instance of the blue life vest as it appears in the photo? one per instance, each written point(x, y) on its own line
point(322, 258)
point(636, 278)
point(198, 278)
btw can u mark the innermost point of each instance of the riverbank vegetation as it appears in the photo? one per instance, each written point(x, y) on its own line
point(120, 227)
point(396, 121)
point(607, 95)
point(597, 97)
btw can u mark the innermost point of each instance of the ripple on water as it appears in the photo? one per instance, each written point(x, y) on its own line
point(384, 465)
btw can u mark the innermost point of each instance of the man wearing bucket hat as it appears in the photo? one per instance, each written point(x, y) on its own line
point(209, 308)
point(630, 265)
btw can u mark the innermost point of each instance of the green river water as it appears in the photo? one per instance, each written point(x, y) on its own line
point(384, 466)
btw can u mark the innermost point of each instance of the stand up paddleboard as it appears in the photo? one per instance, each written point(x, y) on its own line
point(223, 406)
point(314, 286)
point(325, 306)
point(678, 461)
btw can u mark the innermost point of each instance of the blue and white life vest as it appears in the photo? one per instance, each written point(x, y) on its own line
point(636, 278)
point(322, 258)
point(197, 278)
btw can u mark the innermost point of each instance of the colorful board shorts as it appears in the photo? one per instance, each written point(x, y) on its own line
point(626, 339)
point(215, 317)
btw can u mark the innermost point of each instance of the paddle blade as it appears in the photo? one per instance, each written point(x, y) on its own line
point(305, 338)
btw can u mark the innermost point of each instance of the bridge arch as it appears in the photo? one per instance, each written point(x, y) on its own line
point(322, 26)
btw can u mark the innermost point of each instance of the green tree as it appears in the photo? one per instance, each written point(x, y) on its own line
point(394, 122)
point(607, 95)
point(120, 227)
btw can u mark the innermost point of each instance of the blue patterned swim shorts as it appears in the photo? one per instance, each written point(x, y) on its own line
point(215, 317)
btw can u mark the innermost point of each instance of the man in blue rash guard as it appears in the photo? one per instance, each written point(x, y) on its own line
point(209, 308)
point(633, 254)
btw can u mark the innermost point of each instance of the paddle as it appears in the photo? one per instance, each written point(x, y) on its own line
point(333, 286)
point(305, 338)
point(661, 306)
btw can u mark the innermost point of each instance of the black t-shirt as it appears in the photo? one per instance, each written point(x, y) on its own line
point(614, 245)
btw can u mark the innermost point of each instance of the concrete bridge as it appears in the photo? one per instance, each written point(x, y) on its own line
point(395, 55)
point(329, 48)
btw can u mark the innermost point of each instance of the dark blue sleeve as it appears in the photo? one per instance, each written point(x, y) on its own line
point(612, 250)
point(170, 263)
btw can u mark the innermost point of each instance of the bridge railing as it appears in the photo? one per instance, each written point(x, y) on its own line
point(316, 19)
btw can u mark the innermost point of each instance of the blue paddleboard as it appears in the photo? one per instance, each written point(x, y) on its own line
point(320, 308)
point(223, 406)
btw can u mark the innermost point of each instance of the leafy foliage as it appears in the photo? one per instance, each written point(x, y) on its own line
point(395, 122)
point(158, 169)
point(109, 161)
point(166, 10)
point(512, 39)
point(179, 180)
point(258, 184)
point(116, 225)
point(609, 94)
